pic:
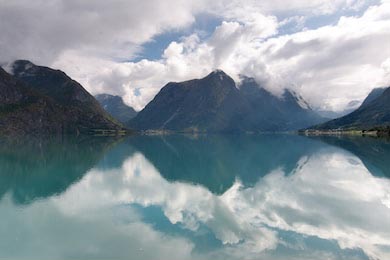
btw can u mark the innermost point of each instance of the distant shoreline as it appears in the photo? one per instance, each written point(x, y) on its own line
point(385, 132)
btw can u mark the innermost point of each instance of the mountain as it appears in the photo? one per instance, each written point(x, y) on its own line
point(351, 106)
point(115, 106)
point(374, 112)
point(215, 104)
point(272, 113)
point(23, 110)
point(38, 100)
point(374, 94)
point(211, 104)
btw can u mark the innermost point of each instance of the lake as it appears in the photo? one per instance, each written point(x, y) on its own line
point(195, 197)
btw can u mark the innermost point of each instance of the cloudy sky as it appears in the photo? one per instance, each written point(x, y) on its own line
point(330, 51)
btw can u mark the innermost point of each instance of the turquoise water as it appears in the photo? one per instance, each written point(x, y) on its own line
point(195, 197)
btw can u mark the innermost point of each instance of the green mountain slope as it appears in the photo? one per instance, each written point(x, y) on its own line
point(374, 112)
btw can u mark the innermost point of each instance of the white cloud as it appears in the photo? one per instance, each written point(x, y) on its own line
point(42, 30)
point(237, 8)
point(190, 58)
point(90, 41)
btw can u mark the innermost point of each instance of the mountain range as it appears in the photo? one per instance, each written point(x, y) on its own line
point(351, 106)
point(40, 100)
point(373, 112)
point(215, 104)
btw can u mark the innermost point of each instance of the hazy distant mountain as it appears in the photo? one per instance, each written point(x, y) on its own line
point(272, 113)
point(332, 114)
point(115, 106)
point(352, 106)
point(215, 104)
point(40, 100)
point(374, 111)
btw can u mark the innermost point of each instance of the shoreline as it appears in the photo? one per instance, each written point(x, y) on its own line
point(355, 132)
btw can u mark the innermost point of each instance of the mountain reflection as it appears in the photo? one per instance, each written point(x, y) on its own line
point(38, 168)
point(374, 152)
point(216, 161)
point(248, 197)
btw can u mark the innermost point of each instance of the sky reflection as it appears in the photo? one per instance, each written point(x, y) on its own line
point(329, 206)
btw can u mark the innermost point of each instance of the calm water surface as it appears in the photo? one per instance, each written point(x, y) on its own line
point(195, 197)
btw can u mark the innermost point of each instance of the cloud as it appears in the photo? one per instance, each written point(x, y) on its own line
point(237, 8)
point(42, 30)
point(95, 43)
point(332, 59)
point(190, 58)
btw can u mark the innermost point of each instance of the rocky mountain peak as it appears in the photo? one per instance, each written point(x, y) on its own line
point(218, 75)
point(20, 67)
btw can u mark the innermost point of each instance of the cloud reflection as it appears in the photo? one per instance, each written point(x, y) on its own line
point(330, 195)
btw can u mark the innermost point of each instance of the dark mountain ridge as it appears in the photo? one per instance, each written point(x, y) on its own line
point(24, 110)
point(374, 94)
point(211, 104)
point(38, 101)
